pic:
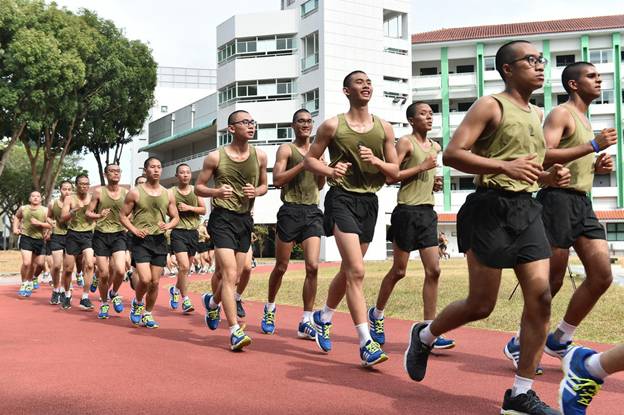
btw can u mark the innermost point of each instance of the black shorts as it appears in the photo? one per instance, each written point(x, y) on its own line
point(413, 227)
point(26, 243)
point(202, 247)
point(568, 215)
point(503, 229)
point(299, 222)
point(104, 244)
point(210, 245)
point(76, 242)
point(128, 236)
point(152, 249)
point(231, 230)
point(185, 240)
point(57, 242)
point(351, 212)
point(46, 248)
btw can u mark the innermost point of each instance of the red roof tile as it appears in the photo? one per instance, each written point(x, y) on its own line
point(610, 214)
point(521, 29)
point(447, 217)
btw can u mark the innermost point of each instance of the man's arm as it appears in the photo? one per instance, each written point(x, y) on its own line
point(41, 224)
point(124, 215)
point(249, 190)
point(201, 184)
point(95, 199)
point(404, 149)
point(311, 162)
point(67, 212)
point(389, 166)
point(281, 176)
point(172, 212)
point(17, 221)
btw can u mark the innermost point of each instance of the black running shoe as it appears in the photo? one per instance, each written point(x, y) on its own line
point(65, 302)
point(85, 304)
point(131, 281)
point(56, 298)
point(240, 311)
point(526, 403)
point(417, 353)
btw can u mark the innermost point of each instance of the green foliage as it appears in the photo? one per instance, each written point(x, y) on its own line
point(262, 232)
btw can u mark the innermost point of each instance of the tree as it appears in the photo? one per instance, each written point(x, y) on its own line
point(262, 232)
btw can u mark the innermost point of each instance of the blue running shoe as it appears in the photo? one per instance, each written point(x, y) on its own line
point(443, 343)
point(306, 331)
point(35, 283)
point(22, 291)
point(28, 289)
point(322, 332)
point(148, 321)
point(174, 298)
point(94, 284)
point(103, 314)
point(117, 302)
point(80, 280)
point(376, 326)
point(554, 348)
point(187, 306)
point(239, 339)
point(512, 352)
point(136, 312)
point(267, 325)
point(578, 387)
point(213, 315)
point(371, 354)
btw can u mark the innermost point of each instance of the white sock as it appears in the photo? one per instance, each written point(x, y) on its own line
point(428, 321)
point(104, 301)
point(212, 305)
point(363, 333)
point(307, 316)
point(426, 336)
point(521, 385)
point(237, 296)
point(567, 331)
point(186, 297)
point(327, 314)
point(270, 306)
point(516, 339)
point(377, 313)
point(85, 295)
point(593, 366)
point(234, 328)
point(62, 290)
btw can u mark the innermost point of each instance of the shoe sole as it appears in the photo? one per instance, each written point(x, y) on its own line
point(268, 333)
point(243, 343)
point(305, 336)
point(554, 353)
point(565, 367)
point(450, 346)
point(85, 308)
point(103, 317)
point(190, 310)
point(382, 359)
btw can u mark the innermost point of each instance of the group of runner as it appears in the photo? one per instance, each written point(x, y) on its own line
point(501, 140)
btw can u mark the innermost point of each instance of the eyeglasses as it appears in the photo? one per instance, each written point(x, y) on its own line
point(302, 121)
point(246, 123)
point(532, 60)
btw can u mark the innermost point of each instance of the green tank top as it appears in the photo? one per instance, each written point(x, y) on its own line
point(111, 223)
point(236, 174)
point(150, 210)
point(60, 228)
point(28, 229)
point(518, 134)
point(188, 220)
point(80, 222)
point(418, 189)
point(303, 188)
point(361, 177)
point(581, 169)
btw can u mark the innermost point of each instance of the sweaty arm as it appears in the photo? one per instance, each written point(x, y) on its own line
point(211, 162)
point(124, 216)
point(281, 176)
point(404, 149)
point(390, 166)
point(324, 136)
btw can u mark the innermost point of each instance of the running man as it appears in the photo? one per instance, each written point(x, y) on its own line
point(78, 242)
point(130, 275)
point(414, 223)
point(184, 237)
point(568, 216)
point(500, 226)
point(56, 243)
point(361, 148)
point(240, 175)
point(30, 224)
point(299, 220)
point(149, 204)
point(109, 241)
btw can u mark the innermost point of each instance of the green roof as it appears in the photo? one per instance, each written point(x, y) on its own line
point(176, 136)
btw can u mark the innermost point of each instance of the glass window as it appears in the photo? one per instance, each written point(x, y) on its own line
point(393, 26)
point(463, 106)
point(428, 71)
point(465, 68)
point(615, 231)
point(600, 56)
point(606, 97)
point(602, 180)
point(309, 7)
point(311, 101)
point(466, 183)
point(489, 62)
point(564, 60)
point(310, 46)
point(562, 99)
point(435, 107)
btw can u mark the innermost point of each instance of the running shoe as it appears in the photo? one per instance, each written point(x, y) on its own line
point(65, 302)
point(323, 329)
point(103, 314)
point(376, 326)
point(80, 280)
point(306, 331)
point(117, 302)
point(136, 312)
point(443, 343)
point(174, 298)
point(94, 284)
point(512, 351)
point(525, 403)
point(35, 283)
point(578, 387)
point(187, 306)
point(417, 354)
point(86, 304)
point(213, 315)
point(56, 298)
point(267, 325)
point(22, 291)
point(239, 339)
point(371, 354)
point(556, 349)
point(148, 321)
point(240, 311)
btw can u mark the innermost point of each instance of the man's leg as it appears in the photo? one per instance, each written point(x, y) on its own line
point(558, 268)
point(55, 270)
point(117, 267)
point(26, 271)
point(311, 252)
point(394, 275)
point(226, 280)
point(151, 296)
point(103, 271)
point(88, 268)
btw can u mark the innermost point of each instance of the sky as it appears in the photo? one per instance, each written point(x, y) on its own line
point(183, 32)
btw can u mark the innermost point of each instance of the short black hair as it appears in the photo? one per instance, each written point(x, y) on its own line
point(572, 72)
point(81, 176)
point(231, 116)
point(299, 111)
point(346, 82)
point(505, 54)
point(146, 163)
point(108, 165)
point(66, 181)
point(136, 181)
point(411, 110)
point(181, 165)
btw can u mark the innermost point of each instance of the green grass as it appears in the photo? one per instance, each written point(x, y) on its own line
point(602, 325)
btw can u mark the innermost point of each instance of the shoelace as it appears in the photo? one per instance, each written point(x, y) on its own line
point(535, 402)
point(325, 328)
point(379, 326)
point(116, 299)
point(239, 333)
point(373, 347)
point(139, 309)
point(187, 303)
point(213, 314)
point(269, 317)
point(586, 389)
point(105, 308)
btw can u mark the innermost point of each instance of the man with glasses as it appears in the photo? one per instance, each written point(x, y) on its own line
point(500, 226)
point(240, 175)
point(361, 147)
point(109, 242)
point(56, 243)
point(299, 220)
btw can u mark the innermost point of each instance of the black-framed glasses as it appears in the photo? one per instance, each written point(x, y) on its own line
point(302, 121)
point(532, 60)
point(246, 123)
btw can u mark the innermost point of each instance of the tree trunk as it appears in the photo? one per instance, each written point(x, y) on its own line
point(7, 150)
point(59, 166)
point(96, 154)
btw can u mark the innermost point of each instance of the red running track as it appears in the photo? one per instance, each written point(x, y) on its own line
point(69, 362)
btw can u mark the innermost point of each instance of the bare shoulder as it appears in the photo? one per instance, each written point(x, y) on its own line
point(559, 114)
point(329, 126)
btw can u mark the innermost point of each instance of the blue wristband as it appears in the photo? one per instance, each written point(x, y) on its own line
point(595, 146)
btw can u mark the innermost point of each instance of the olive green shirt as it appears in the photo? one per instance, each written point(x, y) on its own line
point(111, 223)
point(418, 189)
point(60, 228)
point(149, 210)
point(236, 174)
point(519, 134)
point(80, 222)
point(581, 169)
point(303, 188)
point(361, 177)
point(188, 220)
point(28, 229)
